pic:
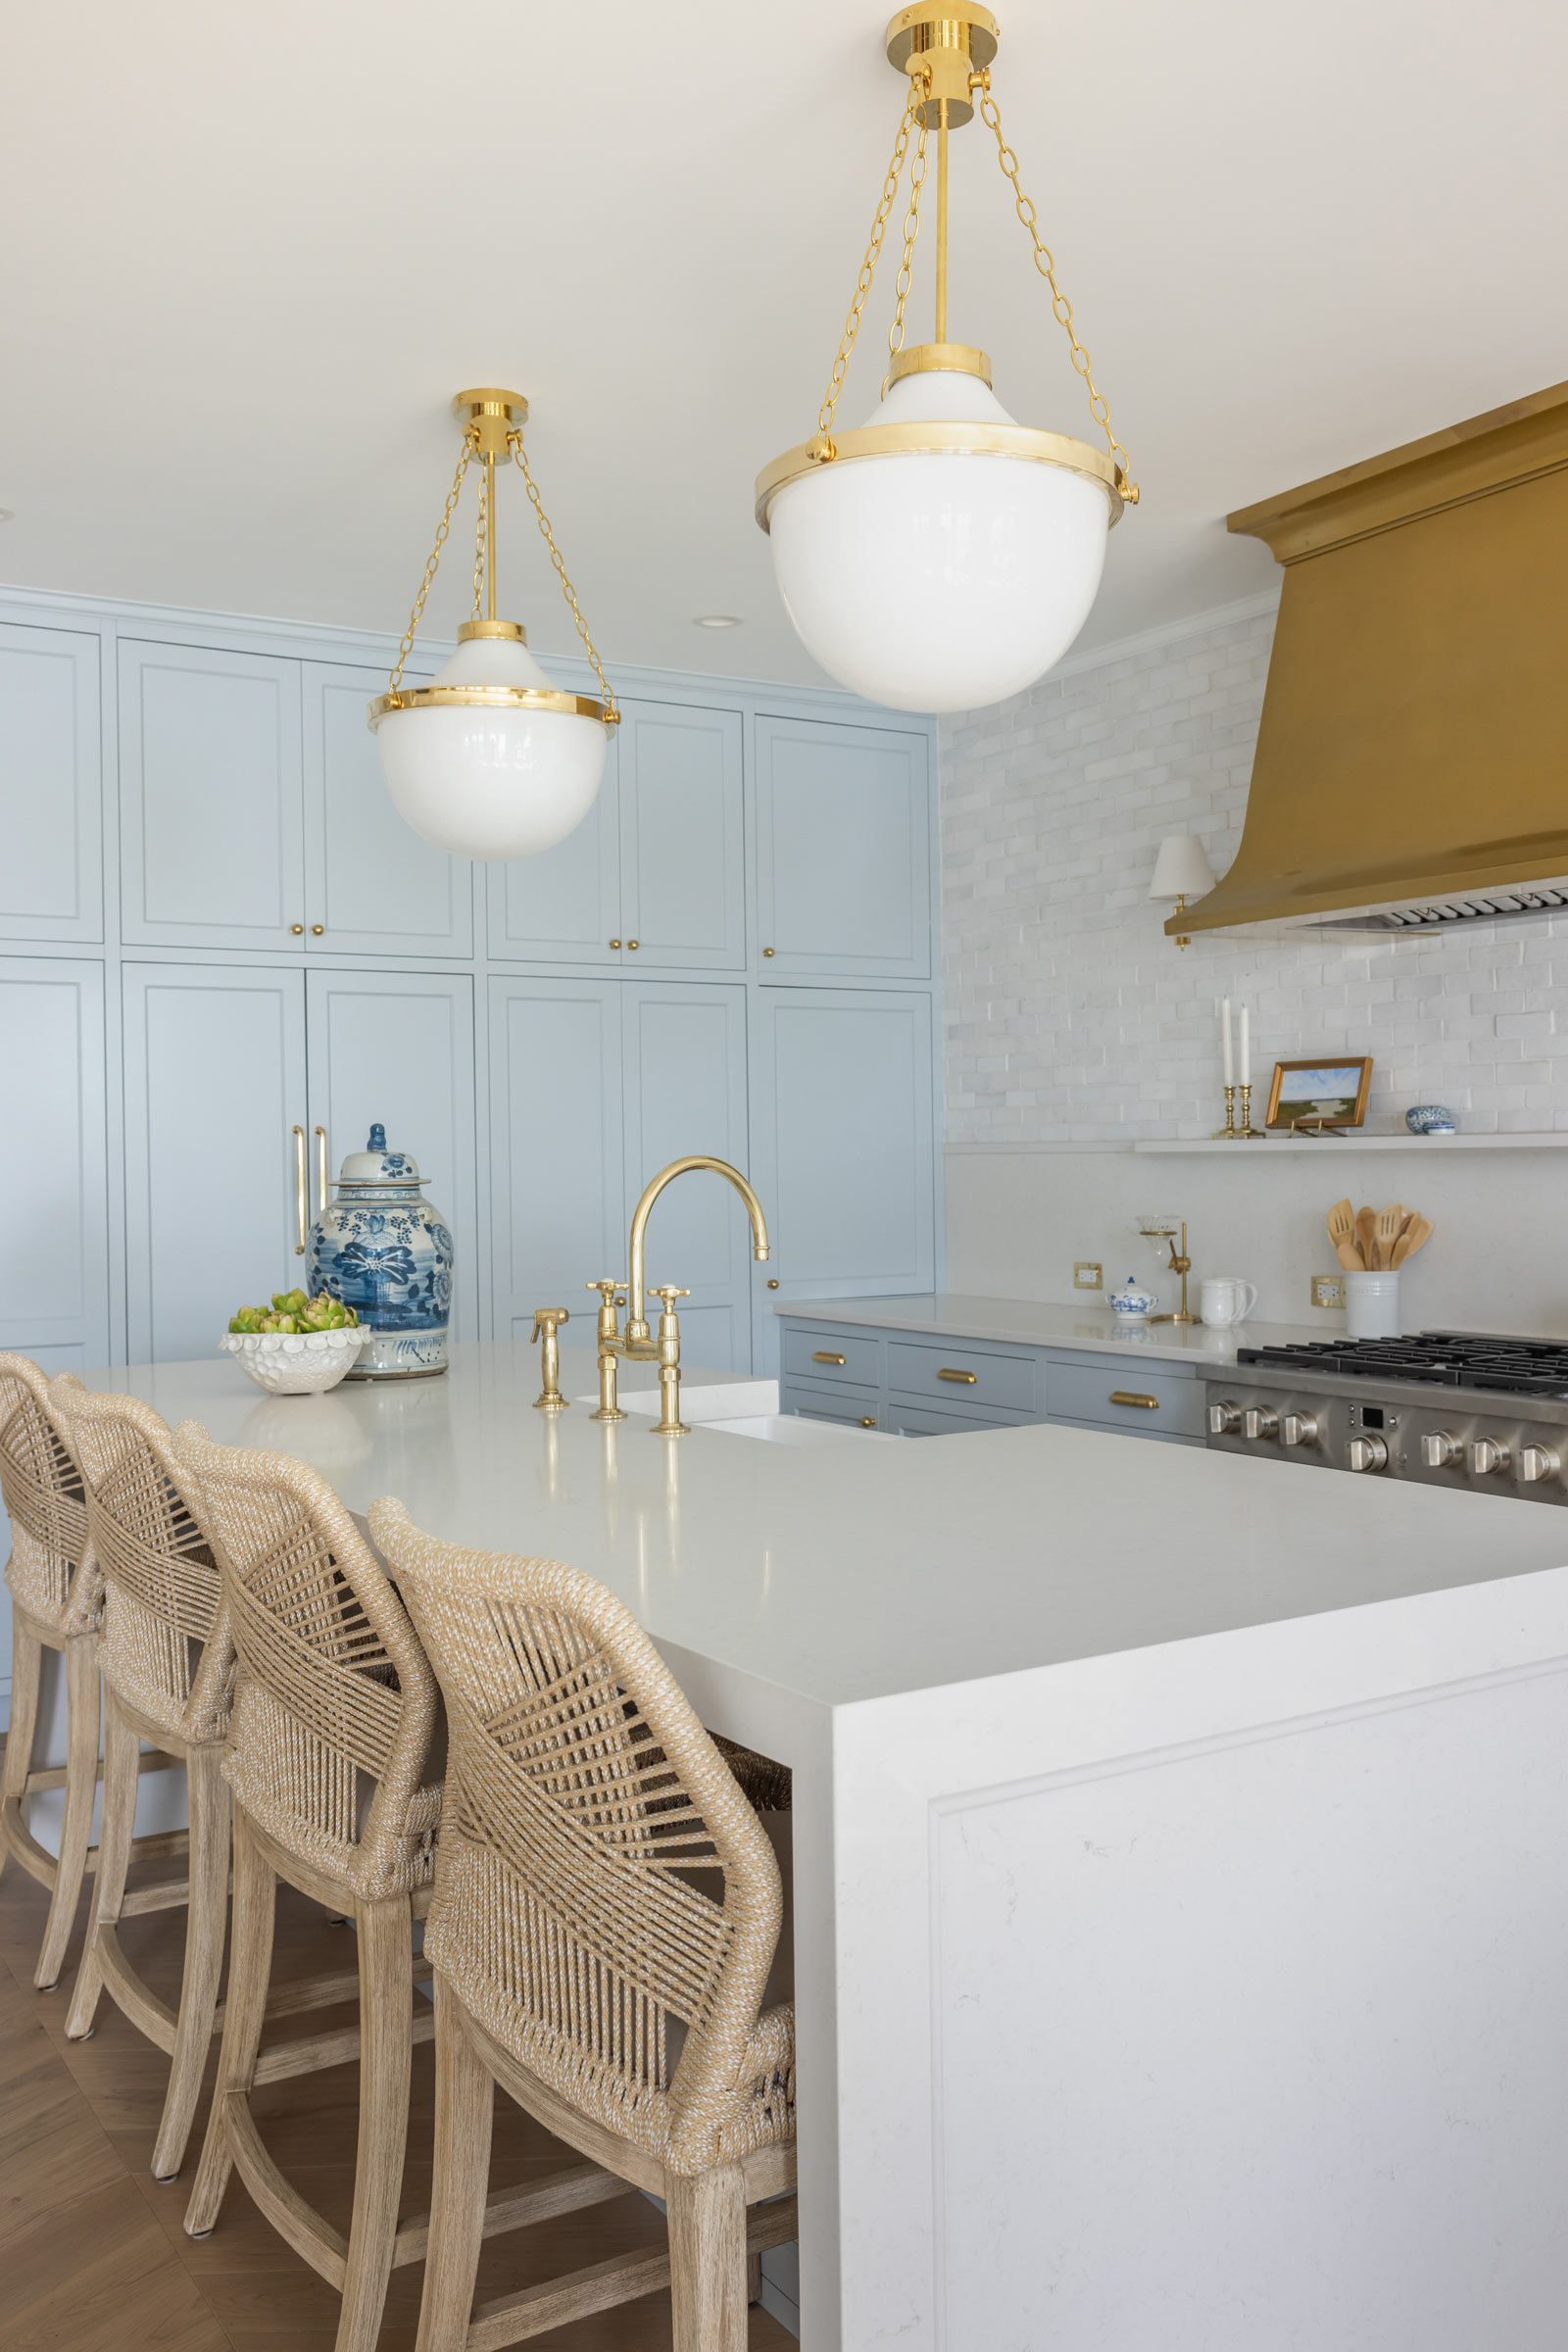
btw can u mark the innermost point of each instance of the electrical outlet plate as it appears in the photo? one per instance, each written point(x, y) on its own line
point(1087, 1276)
point(1328, 1290)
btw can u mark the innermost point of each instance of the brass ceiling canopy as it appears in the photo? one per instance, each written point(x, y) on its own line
point(1411, 766)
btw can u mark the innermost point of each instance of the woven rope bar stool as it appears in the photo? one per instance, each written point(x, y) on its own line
point(605, 1912)
point(168, 1671)
point(55, 1604)
point(335, 1707)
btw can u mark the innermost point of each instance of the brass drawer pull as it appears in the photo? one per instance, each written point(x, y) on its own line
point(1150, 1404)
point(825, 1356)
point(965, 1379)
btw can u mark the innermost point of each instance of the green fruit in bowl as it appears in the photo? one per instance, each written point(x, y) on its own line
point(292, 1311)
point(249, 1318)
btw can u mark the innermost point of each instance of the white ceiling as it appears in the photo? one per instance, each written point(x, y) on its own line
point(253, 251)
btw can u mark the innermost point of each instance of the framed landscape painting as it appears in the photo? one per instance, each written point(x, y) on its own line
point(1319, 1093)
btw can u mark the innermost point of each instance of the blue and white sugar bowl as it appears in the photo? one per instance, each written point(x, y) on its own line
point(387, 1254)
point(1132, 1303)
point(1428, 1118)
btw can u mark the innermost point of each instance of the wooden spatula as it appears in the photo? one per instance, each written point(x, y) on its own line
point(1342, 1233)
point(1418, 1230)
point(1364, 1234)
point(1386, 1227)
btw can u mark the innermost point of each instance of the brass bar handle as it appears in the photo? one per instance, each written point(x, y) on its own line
point(320, 1171)
point(301, 1207)
point(1150, 1404)
point(825, 1356)
point(965, 1379)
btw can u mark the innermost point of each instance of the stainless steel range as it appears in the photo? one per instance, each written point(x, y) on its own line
point(1449, 1408)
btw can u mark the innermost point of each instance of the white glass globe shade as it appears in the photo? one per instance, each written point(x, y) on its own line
point(939, 581)
point(492, 783)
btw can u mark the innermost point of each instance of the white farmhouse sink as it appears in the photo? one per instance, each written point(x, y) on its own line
point(791, 1429)
point(704, 1400)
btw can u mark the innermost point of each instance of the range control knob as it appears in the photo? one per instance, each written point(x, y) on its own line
point(1536, 1462)
point(1438, 1450)
point(1489, 1458)
point(1300, 1429)
point(1367, 1454)
point(1260, 1422)
point(1224, 1420)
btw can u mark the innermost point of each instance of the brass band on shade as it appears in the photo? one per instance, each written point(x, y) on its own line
point(489, 697)
point(941, 437)
point(950, 359)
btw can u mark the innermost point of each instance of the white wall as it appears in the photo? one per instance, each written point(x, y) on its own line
point(1072, 1020)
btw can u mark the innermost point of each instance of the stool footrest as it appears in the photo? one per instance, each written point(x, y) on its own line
point(518, 2208)
point(340, 2047)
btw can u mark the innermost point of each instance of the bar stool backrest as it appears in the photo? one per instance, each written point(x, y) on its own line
point(334, 1702)
point(607, 1902)
point(166, 1650)
point(50, 1571)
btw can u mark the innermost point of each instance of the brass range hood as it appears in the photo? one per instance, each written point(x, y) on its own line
point(1412, 759)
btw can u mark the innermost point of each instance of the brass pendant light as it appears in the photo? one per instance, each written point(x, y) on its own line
point(941, 557)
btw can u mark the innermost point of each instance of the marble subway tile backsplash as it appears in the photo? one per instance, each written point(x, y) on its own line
point(1070, 1017)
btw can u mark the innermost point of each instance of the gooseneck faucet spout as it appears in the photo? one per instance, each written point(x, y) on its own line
point(637, 1319)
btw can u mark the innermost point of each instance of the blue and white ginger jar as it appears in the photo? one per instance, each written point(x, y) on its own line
point(1132, 1303)
point(387, 1254)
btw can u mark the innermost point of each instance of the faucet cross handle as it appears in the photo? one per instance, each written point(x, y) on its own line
point(607, 1289)
point(668, 1292)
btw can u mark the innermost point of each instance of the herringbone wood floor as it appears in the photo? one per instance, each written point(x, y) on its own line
point(92, 2254)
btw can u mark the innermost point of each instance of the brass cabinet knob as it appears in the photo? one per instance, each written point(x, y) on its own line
point(768, 950)
point(868, 1420)
point(772, 1281)
point(318, 930)
point(297, 930)
point(634, 943)
point(615, 942)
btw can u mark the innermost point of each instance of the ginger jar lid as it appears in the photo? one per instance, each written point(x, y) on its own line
point(375, 1164)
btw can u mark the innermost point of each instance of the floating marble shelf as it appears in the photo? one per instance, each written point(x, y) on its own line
point(1330, 1145)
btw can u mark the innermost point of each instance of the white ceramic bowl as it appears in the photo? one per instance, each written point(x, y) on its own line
point(296, 1363)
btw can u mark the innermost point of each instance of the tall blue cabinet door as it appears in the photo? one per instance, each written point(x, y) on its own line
point(683, 1055)
point(51, 797)
point(843, 850)
point(682, 838)
point(54, 1173)
point(397, 1048)
point(370, 883)
point(212, 811)
point(558, 1208)
point(842, 1145)
point(214, 1086)
point(564, 907)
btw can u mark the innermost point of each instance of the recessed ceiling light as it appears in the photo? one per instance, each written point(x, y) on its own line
point(716, 620)
point(7, 514)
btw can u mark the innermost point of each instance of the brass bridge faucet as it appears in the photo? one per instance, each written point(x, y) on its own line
point(636, 1344)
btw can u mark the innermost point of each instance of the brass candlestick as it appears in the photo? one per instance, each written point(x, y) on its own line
point(1247, 1133)
point(1227, 1133)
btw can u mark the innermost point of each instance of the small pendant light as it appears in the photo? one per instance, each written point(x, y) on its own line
point(941, 557)
point(490, 760)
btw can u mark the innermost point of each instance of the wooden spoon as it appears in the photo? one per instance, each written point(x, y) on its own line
point(1342, 1233)
point(1418, 1230)
point(1364, 1234)
point(1385, 1226)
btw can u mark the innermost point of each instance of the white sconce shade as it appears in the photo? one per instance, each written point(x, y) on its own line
point(1181, 869)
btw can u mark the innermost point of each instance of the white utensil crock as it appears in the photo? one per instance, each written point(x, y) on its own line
point(1225, 1299)
point(1372, 1307)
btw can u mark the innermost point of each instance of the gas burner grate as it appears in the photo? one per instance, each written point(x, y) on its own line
point(1454, 1360)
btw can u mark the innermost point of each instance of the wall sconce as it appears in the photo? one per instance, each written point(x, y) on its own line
point(1181, 872)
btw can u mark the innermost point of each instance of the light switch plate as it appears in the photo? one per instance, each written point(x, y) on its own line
point(1328, 1290)
point(1087, 1276)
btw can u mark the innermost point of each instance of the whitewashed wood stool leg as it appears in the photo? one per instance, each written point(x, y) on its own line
point(26, 1670)
point(122, 1780)
point(205, 1923)
point(707, 2260)
point(386, 1993)
point(464, 2108)
point(83, 1698)
point(250, 1966)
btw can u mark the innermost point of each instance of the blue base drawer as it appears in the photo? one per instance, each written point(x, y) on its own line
point(823, 1358)
point(831, 1405)
point(963, 1375)
point(1152, 1403)
point(928, 1421)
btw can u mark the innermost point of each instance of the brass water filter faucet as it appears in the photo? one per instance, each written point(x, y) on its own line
point(546, 1324)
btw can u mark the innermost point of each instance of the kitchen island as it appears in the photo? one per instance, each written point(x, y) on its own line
point(1181, 1893)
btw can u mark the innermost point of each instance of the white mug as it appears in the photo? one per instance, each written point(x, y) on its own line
point(1225, 1299)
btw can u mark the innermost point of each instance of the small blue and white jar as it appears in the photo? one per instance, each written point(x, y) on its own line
point(1132, 1303)
point(386, 1253)
point(1428, 1118)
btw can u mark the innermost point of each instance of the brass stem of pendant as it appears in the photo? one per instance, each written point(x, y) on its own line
point(942, 221)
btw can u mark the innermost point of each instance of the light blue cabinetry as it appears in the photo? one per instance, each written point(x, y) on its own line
point(843, 1148)
point(51, 816)
point(54, 1172)
point(557, 1183)
point(683, 1068)
point(371, 884)
point(843, 850)
point(564, 907)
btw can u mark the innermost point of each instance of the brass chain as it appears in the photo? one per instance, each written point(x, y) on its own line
point(912, 229)
point(471, 442)
point(481, 534)
point(1046, 264)
point(824, 444)
point(612, 712)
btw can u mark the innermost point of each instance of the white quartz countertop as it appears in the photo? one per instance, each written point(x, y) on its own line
point(861, 1570)
point(1030, 1323)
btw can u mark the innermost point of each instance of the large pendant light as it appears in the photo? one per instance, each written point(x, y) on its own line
point(941, 557)
point(489, 761)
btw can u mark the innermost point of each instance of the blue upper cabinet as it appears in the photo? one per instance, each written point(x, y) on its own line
point(843, 851)
point(558, 1208)
point(371, 885)
point(682, 838)
point(54, 1180)
point(211, 809)
point(51, 866)
point(564, 907)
